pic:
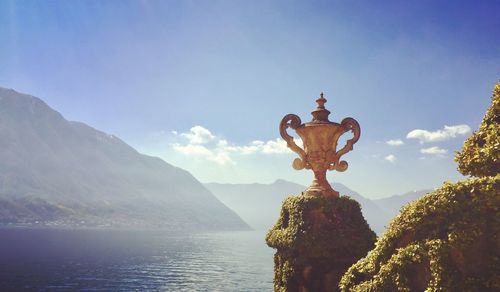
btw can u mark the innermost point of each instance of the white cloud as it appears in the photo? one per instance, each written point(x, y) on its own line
point(202, 143)
point(277, 146)
point(439, 135)
point(198, 135)
point(191, 149)
point(221, 158)
point(253, 147)
point(215, 155)
point(203, 152)
point(390, 158)
point(433, 151)
point(396, 142)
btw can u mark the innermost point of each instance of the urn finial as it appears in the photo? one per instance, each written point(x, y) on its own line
point(320, 114)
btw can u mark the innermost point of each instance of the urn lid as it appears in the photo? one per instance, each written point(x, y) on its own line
point(320, 114)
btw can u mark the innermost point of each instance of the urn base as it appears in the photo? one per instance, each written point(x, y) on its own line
point(321, 191)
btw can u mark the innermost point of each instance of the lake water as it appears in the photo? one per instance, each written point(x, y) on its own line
point(114, 260)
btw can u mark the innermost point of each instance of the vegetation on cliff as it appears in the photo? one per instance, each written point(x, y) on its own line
point(480, 155)
point(449, 240)
point(317, 239)
point(301, 216)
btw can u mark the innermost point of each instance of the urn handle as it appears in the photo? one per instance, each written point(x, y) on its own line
point(293, 121)
point(347, 124)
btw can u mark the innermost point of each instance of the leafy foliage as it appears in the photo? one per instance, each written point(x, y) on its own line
point(326, 234)
point(448, 240)
point(480, 155)
point(335, 214)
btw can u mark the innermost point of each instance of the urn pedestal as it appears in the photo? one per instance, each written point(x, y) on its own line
point(317, 239)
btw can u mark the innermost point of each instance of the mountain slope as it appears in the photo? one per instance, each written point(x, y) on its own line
point(376, 216)
point(82, 174)
point(260, 204)
point(391, 205)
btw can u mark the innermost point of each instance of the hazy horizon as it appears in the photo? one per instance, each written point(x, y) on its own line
point(277, 180)
point(204, 85)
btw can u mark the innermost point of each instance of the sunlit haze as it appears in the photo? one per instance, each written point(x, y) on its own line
point(204, 84)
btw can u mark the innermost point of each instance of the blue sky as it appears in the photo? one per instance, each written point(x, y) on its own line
point(204, 84)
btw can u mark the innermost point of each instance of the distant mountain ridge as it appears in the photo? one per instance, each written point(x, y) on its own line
point(259, 204)
point(59, 172)
point(392, 204)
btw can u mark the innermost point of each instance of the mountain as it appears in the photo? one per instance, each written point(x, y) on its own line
point(259, 204)
point(59, 172)
point(391, 205)
point(375, 215)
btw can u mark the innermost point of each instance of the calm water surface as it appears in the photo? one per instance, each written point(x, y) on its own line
point(113, 260)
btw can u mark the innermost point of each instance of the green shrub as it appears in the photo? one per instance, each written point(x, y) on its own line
point(480, 155)
point(448, 240)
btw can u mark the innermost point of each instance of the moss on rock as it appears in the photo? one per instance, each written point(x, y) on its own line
point(317, 239)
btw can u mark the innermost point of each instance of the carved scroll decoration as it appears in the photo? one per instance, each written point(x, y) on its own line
point(347, 124)
point(293, 121)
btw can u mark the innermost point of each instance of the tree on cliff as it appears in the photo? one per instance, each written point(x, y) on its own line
point(448, 240)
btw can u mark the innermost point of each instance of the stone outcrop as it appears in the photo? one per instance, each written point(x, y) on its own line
point(317, 239)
